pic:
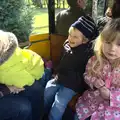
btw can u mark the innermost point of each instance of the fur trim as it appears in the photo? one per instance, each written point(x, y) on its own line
point(8, 44)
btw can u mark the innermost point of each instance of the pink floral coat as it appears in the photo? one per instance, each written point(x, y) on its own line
point(91, 103)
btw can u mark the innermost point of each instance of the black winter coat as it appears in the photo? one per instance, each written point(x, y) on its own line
point(72, 66)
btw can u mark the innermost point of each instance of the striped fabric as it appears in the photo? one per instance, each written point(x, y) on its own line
point(87, 26)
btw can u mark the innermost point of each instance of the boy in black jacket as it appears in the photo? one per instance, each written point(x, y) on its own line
point(69, 79)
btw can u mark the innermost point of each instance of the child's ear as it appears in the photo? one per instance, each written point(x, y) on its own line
point(85, 40)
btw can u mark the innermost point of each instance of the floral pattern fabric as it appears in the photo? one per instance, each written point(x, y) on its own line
point(91, 103)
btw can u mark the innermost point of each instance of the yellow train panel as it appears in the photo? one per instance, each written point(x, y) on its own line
point(40, 44)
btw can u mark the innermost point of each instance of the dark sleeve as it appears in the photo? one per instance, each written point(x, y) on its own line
point(89, 51)
point(57, 22)
point(102, 22)
point(64, 48)
point(4, 90)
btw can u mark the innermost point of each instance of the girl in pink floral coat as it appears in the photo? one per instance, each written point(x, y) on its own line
point(102, 101)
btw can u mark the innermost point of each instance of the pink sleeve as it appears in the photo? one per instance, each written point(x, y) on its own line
point(89, 78)
point(115, 99)
point(88, 104)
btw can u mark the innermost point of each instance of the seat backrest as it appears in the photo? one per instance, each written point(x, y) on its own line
point(56, 46)
point(48, 46)
point(40, 43)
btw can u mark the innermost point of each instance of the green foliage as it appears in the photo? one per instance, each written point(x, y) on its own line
point(16, 16)
point(110, 3)
point(37, 3)
point(88, 7)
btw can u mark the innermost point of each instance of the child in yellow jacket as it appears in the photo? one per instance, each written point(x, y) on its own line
point(19, 71)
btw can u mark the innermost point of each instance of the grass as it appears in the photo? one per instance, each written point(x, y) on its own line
point(40, 20)
point(40, 17)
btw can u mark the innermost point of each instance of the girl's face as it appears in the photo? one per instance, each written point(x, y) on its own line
point(75, 38)
point(111, 50)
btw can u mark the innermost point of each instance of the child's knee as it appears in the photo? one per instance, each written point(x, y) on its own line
point(51, 83)
point(60, 103)
point(49, 97)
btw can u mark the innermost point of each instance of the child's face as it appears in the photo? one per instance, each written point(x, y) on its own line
point(75, 38)
point(108, 12)
point(81, 3)
point(111, 50)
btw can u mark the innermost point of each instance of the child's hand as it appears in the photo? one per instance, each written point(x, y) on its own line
point(98, 83)
point(15, 90)
point(105, 93)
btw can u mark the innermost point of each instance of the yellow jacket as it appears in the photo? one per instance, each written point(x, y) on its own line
point(22, 68)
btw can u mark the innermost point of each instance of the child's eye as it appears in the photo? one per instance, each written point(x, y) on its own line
point(107, 42)
point(75, 36)
point(118, 44)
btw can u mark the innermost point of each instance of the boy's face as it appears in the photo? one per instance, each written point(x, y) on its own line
point(75, 38)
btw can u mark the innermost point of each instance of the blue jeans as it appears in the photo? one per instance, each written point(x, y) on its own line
point(46, 77)
point(56, 97)
point(15, 108)
point(26, 105)
point(35, 94)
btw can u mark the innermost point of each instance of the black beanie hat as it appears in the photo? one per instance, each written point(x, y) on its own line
point(87, 26)
point(72, 3)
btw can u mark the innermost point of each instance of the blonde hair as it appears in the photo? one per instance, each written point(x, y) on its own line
point(110, 33)
point(7, 39)
point(73, 29)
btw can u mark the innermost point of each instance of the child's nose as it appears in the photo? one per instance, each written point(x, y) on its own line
point(70, 37)
point(113, 47)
